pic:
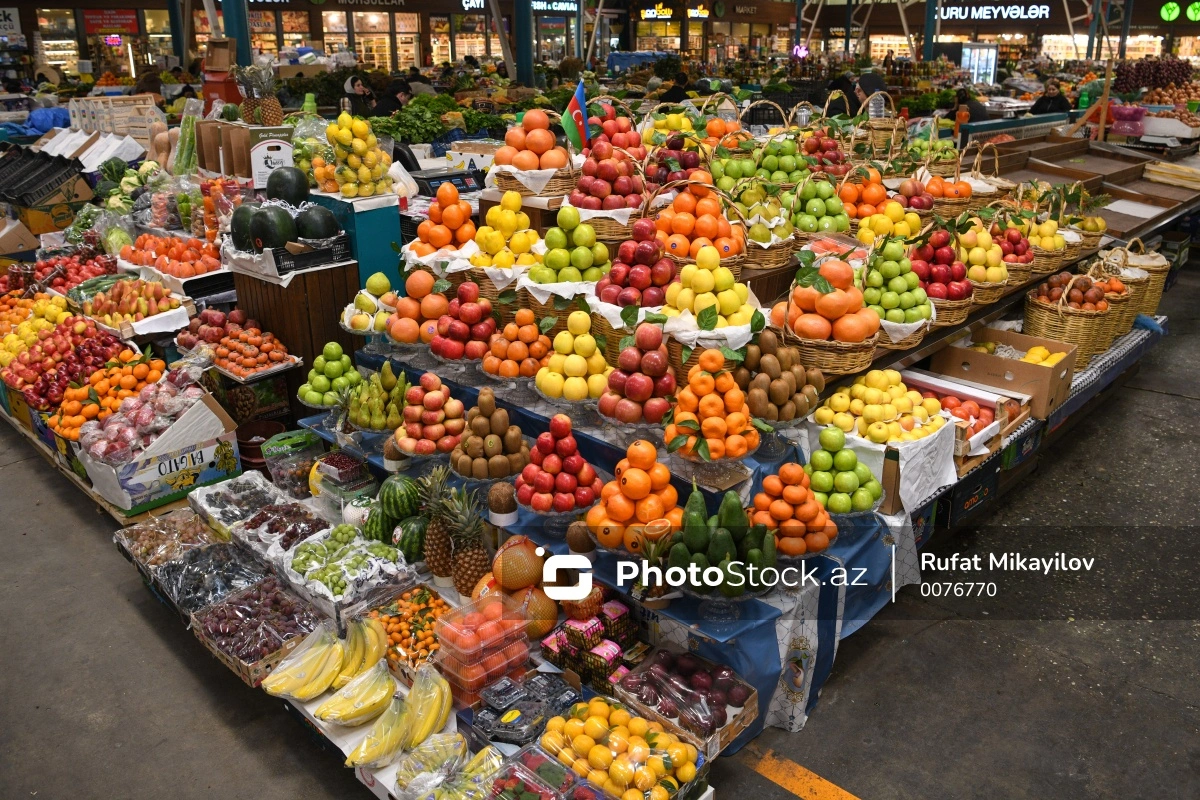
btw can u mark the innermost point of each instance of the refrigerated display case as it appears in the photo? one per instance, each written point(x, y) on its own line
point(334, 31)
point(372, 39)
point(439, 39)
point(979, 60)
point(56, 42)
point(158, 34)
point(295, 28)
point(470, 35)
point(264, 38)
point(660, 35)
point(408, 40)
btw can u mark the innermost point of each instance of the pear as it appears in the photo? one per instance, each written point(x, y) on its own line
point(363, 420)
point(364, 302)
point(381, 318)
point(387, 378)
point(394, 419)
point(759, 233)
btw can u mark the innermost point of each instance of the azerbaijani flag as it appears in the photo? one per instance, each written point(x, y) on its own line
point(574, 121)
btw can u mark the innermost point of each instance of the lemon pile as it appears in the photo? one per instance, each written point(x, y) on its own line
point(576, 370)
point(706, 283)
point(666, 123)
point(46, 313)
point(878, 406)
point(506, 240)
point(361, 164)
point(892, 220)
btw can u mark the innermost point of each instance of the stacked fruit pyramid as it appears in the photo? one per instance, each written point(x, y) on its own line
point(362, 165)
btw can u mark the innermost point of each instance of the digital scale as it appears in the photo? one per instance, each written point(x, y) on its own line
point(428, 180)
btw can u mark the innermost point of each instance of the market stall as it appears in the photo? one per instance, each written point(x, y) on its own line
point(343, 425)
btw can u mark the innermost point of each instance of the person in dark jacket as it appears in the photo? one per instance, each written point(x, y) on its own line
point(871, 83)
point(1052, 101)
point(841, 105)
point(360, 97)
point(397, 96)
point(678, 92)
point(979, 112)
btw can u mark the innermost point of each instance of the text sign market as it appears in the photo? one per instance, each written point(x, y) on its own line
point(565, 6)
point(658, 12)
point(986, 13)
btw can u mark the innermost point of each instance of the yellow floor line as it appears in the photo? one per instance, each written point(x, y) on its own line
point(794, 778)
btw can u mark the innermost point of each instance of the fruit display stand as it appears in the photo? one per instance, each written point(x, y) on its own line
point(373, 225)
point(541, 210)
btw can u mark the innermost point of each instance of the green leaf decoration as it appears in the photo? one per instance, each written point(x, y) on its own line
point(733, 355)
point(507, 297)
point(626, 341)
point(629, 315)
point(441, 285)
point(546, 323)
point(707, 319)
point(758, 321)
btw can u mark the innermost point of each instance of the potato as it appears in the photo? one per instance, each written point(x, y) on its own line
point(487, 401)
point(757, 402)
point(778, 393)
point(770, 365)
point(499, 419)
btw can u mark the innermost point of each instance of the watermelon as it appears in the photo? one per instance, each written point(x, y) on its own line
point(288, 184)
point(272, 227)
point(398, 496)
point(410, 538)
point(317, 222)
point(239, 226)
point(379, 525)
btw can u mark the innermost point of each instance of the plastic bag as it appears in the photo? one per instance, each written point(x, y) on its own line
point(206, 575)
point(229, 502)
point(278, 527)
point(309, 669)
point(290, 457)
point(385, 740)
point(429, 764)
point(162, 539)
point(312, 153)
point(185, 150)
point(255, 623)
point(472, 782)
point(361, 700)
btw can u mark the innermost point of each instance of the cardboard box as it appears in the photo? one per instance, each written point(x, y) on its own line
point(300, 70)
point(222, 54)
point(472, 155)
point(208, 145)
point(16, 241)
point(1048, 387)
point(198, 449)
point(965, 442)
point(255, 152)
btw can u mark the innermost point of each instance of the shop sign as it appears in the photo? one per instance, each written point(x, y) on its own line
point(562, 6)
point(110, 20)
point(1169, 12)
point(746, 11)
point(10, 22)
point(994, 13)
point(364, 2)
point(699, 12)
point(658, 12)
point(472, 5)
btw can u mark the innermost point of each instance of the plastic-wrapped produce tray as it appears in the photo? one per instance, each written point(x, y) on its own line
point(228, 502)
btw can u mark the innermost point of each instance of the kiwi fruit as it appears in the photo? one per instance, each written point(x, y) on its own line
point(761, 381)
point(493, 445)
point(487, 401)
point(499, 418)
point(481, 426)
point(472, 413)
point(753, 353)
point(741, 376)
point(802, 407)
point(756, 401)
point(473, 446)
point(512, 439)
point(516, 462)
point(786, 356)
point(787, 411)
point(790, 379)
point(479, 468)
point(798, 373)
point(770, 365)
point(772, 414)
point(815, 377)
point(778, 393)
point(768, 342)
point(498, 466)
point(811, 394)
point(462, 463)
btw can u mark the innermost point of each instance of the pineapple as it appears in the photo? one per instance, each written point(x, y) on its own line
point(261, 106)
point(471, 560)
point(432, 490)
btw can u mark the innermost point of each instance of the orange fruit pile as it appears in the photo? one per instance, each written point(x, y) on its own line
point(171, 256)
point(416, 315)
point(104, 391)
point(637, 502)
point(723, 132)
point(711, 408)
point(518, 349)
point(249, 351)
point(787, 506)
point(839, 314)
point(531, 145)
point(449, 224)
point(940, 187)
point(862, 201)
point(695, 219)
point(15, 309)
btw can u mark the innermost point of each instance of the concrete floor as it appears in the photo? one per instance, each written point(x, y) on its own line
point(106, 695)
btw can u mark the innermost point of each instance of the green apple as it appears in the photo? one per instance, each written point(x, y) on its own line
point(889, 269)
point(845, 460)
point(821, 460)
point(831, 439)
point(890, 299)
point(821, 481)
point(839, 503)
point(556, 238)
point(329, 399)
point(581, 258)
point(568, 217)
point(894, 315)
point(334, 369)
point(824, 190)
point(319, 364)
point(353, 377)
point(816, 207)
point(569, 275)
point(871, 295)
point(845, 482)
point(599, 253)
point(340, 383)
point(584, 235)
point(593, 274)
point(912, 314)
point(874, 279)
point(313, 398)
point(907, 300)
point(861, 500)
point(332, 351)
point(320, 384)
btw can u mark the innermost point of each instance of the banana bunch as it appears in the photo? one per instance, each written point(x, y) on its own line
point(385, 739)
point(437, 754)
point(470, 783)
point(431, 702)
point(362, 699)
point(308, 670)
point(366, 642)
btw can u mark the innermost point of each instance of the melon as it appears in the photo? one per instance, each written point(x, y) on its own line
point(239, 226)
point(288, 184)
point(271, 227)
point(317, 222)
point(542, 611)
point(517, 564)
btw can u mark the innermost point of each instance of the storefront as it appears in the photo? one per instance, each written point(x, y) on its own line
point(716, 31)
point(123, 41)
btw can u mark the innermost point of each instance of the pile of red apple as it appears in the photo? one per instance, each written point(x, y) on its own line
point(211, 326)
point(1013, 244)
point(433, 420)
point(464, 330)
point(640, 272)
point(942, 275)
point(640, 388)
point(557, 479)
point(610, 179)
point(67, 353)
point(76, 269)
point(912, 194)
point(671, 162)
point(826, 151)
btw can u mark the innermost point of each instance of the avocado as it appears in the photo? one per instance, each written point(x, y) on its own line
point(768, 550)
point(735, 579)
point(679, 557)
point(754, 558)
point(695, 502)
point(721, 547)
point(702, 564)
point(695, 532)
point(732, 517)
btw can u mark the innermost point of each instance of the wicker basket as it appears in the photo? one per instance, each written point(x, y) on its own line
point(1072, 251)
point(814, 114)
point(783, 116)
point(508, 311)
point(951, 312)
point(1045, 262)
point(833, 357)
point(949, 207)
point(987, 293)
point(612, 338)
point(675, 359)
point(1019, 273)
point(910, 341)
point(563, 181)
point(541, 310)
point(1091, 239)
point(1122, 307)
point(1089, 331)
point(1148, 302)
point(1004, 187)
point(943, 169)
